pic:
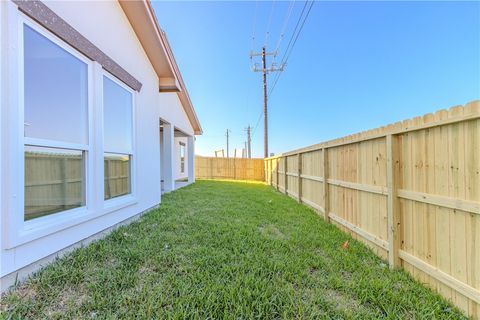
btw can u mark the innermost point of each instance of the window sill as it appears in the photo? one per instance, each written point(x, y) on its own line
point(119, 203)
point(48, 225)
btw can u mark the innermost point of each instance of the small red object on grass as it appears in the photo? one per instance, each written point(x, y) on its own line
point(345, 245)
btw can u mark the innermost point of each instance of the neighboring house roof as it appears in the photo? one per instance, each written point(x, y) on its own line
point(154, 41)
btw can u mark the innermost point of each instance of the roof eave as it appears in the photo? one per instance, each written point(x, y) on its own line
point(141, 16)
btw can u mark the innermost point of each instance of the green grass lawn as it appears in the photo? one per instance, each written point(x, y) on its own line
point(225, 250)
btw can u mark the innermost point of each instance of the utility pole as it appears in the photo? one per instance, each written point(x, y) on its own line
point(265, 105)
point(248, 144)
point(265, 71)
point(227, 142)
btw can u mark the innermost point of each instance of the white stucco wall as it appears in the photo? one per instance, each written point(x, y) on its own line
point(106, 26)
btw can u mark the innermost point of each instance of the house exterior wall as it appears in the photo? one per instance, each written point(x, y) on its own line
point(106, 26)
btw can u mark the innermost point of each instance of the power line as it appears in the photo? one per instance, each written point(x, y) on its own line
point(288, 51)
point(300, 30)
point(289, 43)
point(285, 24)
point(295, 30)
point(254, 24)
point(269, 24)
point(258, 122)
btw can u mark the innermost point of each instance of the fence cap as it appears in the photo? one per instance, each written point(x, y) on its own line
point(469, 111)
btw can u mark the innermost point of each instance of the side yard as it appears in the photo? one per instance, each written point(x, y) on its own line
point(225, 250)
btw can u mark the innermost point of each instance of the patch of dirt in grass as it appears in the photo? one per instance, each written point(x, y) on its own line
point(69, 298)
point(347, 276)
point(343, 302)
point(25, 291)
point(272, 231)
point(148, 269)
point(324, 256)
point(112, 262)
point(398, 286)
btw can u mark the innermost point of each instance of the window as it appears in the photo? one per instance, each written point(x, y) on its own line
point(117, 125)
point(182, 157)
point(55, 126)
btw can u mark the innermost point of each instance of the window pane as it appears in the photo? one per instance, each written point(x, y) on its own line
point(182, 150)
point(182, 157)
point(117, 117)
point(54, 181)
point(55, 91)
point(117, 175)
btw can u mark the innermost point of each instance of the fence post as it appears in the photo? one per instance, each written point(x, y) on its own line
point(326, 200)
point(276, 172)
point(211, 167)
point(267, 172)
point(285, 180)
point(299, 172)
point(393, 207)
point(234, 166)
point(278, 163)
point(271, 172)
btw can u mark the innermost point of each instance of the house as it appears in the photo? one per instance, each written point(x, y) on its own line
point(96, 123)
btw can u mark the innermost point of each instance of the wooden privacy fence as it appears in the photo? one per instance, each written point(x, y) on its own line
point(410, 190)
point(229, 168)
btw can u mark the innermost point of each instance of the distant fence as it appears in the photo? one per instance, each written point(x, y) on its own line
point(229, 168)
point(410, 190)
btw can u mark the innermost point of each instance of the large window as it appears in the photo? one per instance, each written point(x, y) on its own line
point(55, 126)
point(118, 123)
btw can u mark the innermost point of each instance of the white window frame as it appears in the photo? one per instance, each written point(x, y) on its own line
point(3, 99)
point(35, 228)
point(130, 197)
point(15, 230)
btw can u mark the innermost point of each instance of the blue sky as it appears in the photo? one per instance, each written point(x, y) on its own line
point(355, 66)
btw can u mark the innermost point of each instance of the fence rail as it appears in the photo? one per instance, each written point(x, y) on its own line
point(410, 190)
point(229, 168)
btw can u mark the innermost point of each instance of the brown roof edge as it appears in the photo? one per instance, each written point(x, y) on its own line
point(183, 93)
point(47, 18)
point(154, 41)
